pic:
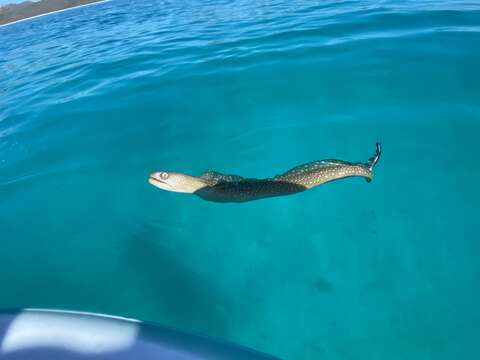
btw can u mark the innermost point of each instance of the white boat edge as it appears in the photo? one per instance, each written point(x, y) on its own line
point(63, 334)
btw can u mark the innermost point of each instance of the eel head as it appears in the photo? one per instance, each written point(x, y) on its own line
point(176, 182)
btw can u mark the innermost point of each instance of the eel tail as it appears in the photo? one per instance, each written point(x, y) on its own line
point(374, 159)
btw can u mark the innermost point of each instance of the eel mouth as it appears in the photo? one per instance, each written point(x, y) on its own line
point(155, 181)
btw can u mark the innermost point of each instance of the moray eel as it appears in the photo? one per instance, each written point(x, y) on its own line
point(218, 187)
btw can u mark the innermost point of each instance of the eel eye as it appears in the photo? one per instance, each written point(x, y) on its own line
point(164, 175)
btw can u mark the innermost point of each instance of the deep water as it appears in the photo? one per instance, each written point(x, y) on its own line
point(93, 99)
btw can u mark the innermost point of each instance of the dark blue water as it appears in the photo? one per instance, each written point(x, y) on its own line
point(93, 99)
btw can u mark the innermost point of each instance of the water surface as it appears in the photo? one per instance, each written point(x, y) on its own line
point(93, 99)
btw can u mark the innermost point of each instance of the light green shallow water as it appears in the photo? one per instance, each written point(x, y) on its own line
point(95, 100)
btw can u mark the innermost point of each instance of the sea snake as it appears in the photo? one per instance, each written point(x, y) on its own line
point(218, 187)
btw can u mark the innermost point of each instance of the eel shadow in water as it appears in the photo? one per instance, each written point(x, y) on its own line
point(188, 300)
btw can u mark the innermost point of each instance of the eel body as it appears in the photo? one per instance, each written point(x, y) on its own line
point(218, 187)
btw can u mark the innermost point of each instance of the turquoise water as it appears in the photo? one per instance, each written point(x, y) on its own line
point(93, 99)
